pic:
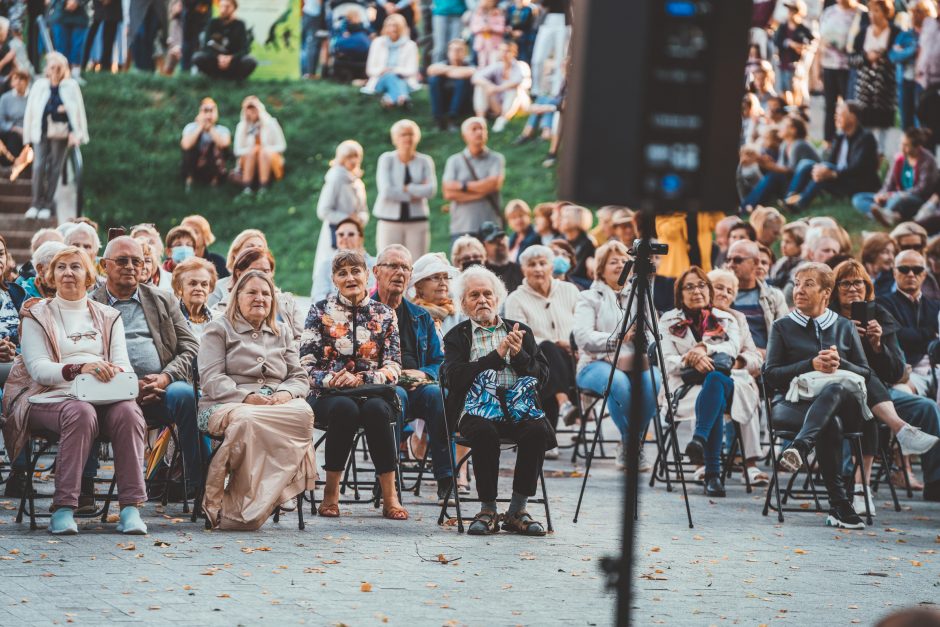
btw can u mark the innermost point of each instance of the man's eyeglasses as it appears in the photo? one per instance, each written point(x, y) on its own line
point(698, 287)
point(737, 260)
point(137, 262)
point(917, 270)
point(849, 284)
point(395, 267)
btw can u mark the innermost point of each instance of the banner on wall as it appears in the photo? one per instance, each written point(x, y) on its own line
point(260, 15)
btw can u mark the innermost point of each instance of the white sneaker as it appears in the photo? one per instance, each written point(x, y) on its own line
point(499, 125)
point(552, 453)
point(44, 214)
point(858, 503)
point(913, 441)
point(644, 464)
point(621, 457)
point(699, 474)
point(31, 213)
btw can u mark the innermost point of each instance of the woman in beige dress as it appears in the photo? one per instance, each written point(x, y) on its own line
point(253, 395)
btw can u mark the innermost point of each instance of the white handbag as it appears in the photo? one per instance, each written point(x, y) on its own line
point(122, 387)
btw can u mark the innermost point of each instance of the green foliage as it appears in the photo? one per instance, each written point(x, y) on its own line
point(133, 159)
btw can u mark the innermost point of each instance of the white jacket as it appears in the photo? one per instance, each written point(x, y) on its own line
point(272, 137)
point(407, 66)
point(808, 386)
point(343, 196)
point(71, 95)
point(597, 318)
point(390, 183)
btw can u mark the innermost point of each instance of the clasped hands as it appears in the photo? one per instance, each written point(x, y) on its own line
point(698, 358)
point(827, 361)
point(278, 398)
point(512, 343)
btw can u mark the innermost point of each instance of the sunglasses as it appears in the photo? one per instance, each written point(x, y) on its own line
point(910, 247)
point(917, 270)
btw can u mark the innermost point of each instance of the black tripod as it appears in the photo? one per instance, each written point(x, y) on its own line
point(645, 319)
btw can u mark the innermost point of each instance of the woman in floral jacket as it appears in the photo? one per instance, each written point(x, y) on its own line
point(350, 341)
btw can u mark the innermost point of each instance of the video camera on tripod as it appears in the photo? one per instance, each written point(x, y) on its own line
point(642, 252)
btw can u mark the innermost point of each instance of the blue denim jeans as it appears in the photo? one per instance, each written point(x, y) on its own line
point(70, 41)
point(425, 402)
point(767, 190)
point(713, 400)
point(901, 203)
point(393, 87)
point(449, 97)
point(923, 413)
point(179, 407)
point(310, 43)
point(594, 377)
point(802, 182)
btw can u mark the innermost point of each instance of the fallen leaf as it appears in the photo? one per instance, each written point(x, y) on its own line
point(187, 587)
point(799, 551)
point(224, 595)
point(154, 607)
point(365, 587)
point(330, 562)
point(697, 537)
point(655, 549)
point(53, 574)
point(161, 543)
point(130, 546)
point(14, 551)
point(916, 563)
point(113, 518)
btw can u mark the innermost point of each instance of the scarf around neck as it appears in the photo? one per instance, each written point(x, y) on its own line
point(703, 324)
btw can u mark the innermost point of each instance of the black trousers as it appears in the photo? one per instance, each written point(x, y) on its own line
point(107, 42)
point(342, 417)
point(821, 423)
point(239, 70)
point(835, 84)
point(204, 168)
point(560, 379)
point(532, 438)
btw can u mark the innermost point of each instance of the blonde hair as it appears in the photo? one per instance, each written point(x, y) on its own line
point(232, 311)
point(200, 224)
point(191, 264)
point(396, 19)
point(345, 150)
point(401, 125)
point(602, 254)
point(517, 204)
point(59, 59)
point(91, 274)
point(239, 241)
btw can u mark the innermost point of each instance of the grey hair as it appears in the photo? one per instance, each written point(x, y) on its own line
point(82, 227)
point(38, 235)
point(393, 248)
point(465, 241)
point(46, 251)
point(470, 122)
point(479, 272)
point(721, 273)
point(536, 250)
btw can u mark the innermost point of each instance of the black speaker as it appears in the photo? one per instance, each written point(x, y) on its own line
point(653, 111)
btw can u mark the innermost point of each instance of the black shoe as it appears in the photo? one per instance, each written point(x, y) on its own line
point(522, 139)
point(445, 490)
point(86, 498)
point(16, 485)
point(695, 450)
point(714, 487)
point(932, 491)
point(844, 516)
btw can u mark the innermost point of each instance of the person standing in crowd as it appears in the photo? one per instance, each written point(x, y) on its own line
point(927, 75)
point(343, 196)
point(836, 26)
point(876, 89)
point(69, 22)
point(502, 88)
point(851, 166)
point(194, 18)
point(53, 122)
point(909, 182)
point(447, 25)
point(519, 219)
point(551, 41)
point(205, 145)
point(64, 337)
point(106, 16)
point(349, 236)
point(312, 22)
point(487, 25)
point(259, 146)
point(351, 340)
point(450, 87)
point(485, 351)
point(521, 23)
point(225, 49)
point(405, 181)
point(903, 54)
point(497, 255)
point(792, 39)
point(917, 315)
point(421, 358)
point(254, 394)
point(160, 346)
point(392, 65)
point(12, 112)
point(472, 181)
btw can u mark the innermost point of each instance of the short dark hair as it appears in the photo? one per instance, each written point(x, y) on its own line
point(747, 228)
point(855, 107)
point(354, 222)
point(799, 125)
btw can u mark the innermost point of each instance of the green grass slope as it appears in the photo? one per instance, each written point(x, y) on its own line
point(132, 161)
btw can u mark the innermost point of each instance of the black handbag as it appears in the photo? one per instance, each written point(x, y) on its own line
point(723, 364)
point(366, 391)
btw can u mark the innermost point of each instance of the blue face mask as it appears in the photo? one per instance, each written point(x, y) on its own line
point(182, 253)
point(560, 266)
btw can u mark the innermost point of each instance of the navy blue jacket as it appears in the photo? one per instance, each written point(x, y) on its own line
point(430, 356)
point(918, 323)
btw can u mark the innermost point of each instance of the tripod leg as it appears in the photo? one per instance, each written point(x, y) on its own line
point(590, 456)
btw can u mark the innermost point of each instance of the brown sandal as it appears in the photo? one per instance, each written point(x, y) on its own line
point(329, 511)
point(395, 513)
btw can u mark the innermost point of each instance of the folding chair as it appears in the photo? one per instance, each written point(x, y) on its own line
point(809, 491)
point(583, 437)
point(505, 444)
point(884, 465)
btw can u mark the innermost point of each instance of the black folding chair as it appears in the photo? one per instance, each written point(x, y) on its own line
point(590, 412)
point(455, 465)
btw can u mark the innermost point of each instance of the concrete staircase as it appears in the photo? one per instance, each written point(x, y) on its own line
point(17, 230)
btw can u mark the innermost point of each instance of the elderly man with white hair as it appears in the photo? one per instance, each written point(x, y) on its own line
point(547, 306)
point(472, 181)
point(492, 366)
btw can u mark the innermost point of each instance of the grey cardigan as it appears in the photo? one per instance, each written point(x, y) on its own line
point(235, 360)
point(390, 183)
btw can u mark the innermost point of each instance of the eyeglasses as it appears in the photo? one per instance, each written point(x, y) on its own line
point(736, 260)
point(396, 267)
point(137, 262)
point(909, 247)
point(208, 109)
point(89, 335)
point(698, 287)
point(917, 270)
point(849, 284)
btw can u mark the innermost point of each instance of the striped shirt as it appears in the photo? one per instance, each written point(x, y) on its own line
point(487, 339)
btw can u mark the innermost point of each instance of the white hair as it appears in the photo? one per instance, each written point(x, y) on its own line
point(465, 241)
point(479, 272)
point(470, 122)
point(721, 273)
point(393, 248)
point(87, 229)
point(402, 125)
point(41, 233)
point(43, 255)
point(534, 251)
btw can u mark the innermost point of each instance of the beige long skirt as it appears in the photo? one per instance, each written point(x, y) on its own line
point(267, 457)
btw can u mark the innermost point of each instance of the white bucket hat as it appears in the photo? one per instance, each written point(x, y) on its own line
point(429, 265)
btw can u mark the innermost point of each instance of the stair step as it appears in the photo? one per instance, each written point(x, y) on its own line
point(15, 204)
point(10, 223)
